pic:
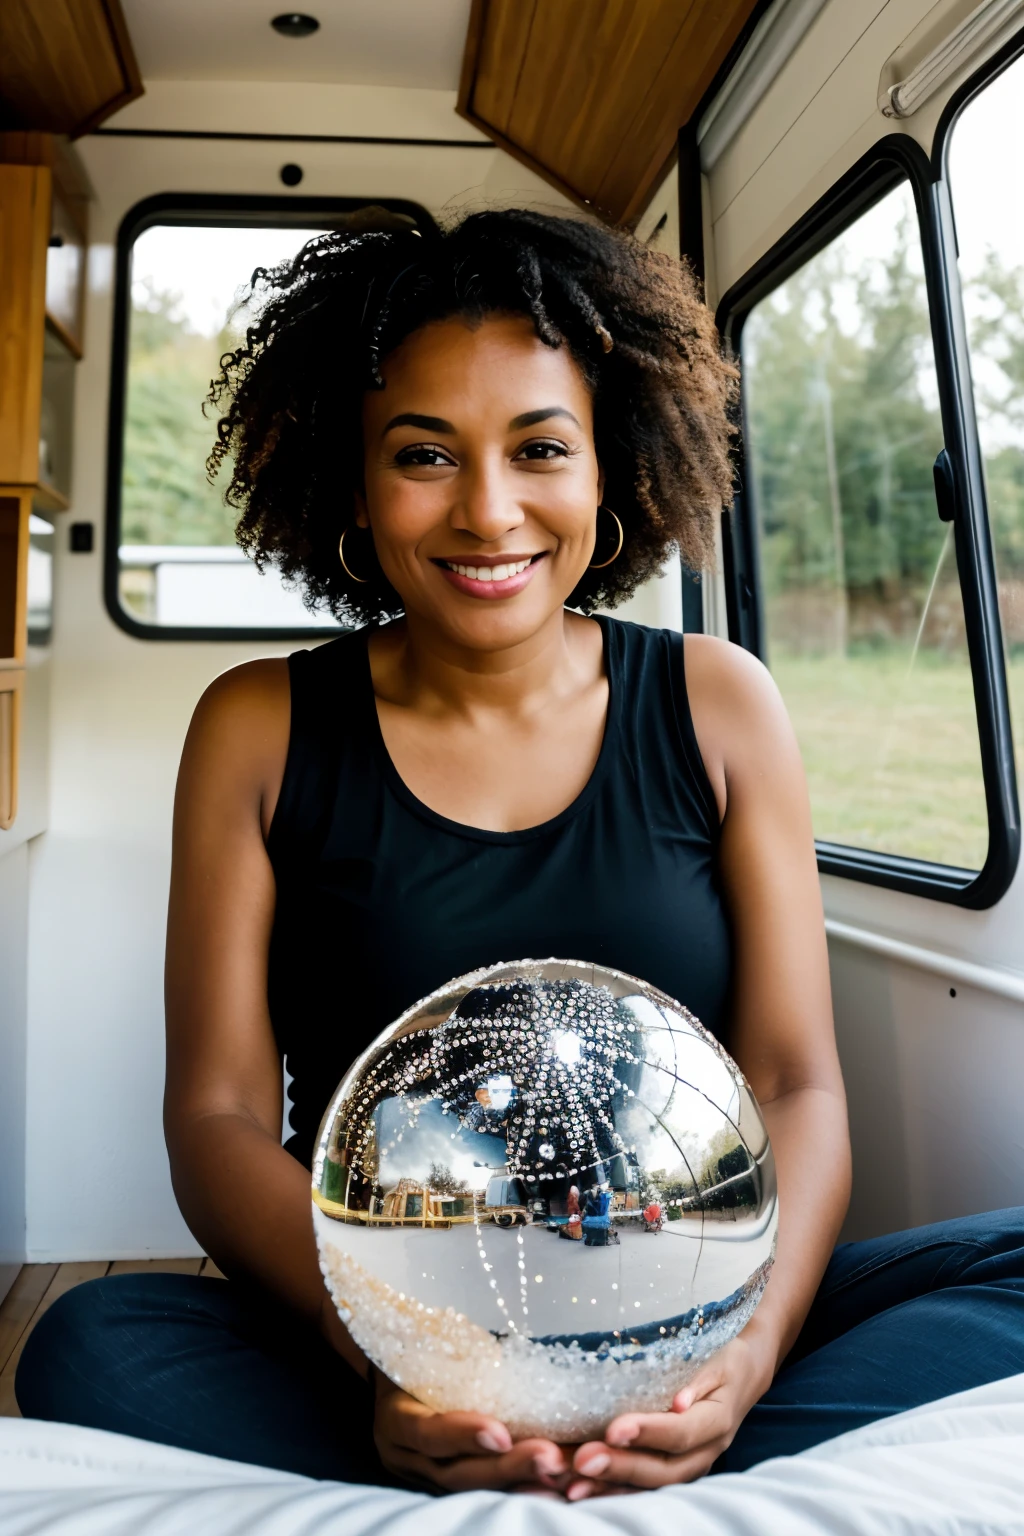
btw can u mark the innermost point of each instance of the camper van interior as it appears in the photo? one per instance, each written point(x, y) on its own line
point(841, 179)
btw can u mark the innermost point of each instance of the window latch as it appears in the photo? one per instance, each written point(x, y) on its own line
point(945, 488)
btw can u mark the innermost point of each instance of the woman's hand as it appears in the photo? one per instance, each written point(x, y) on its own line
point(648, 1450)
point(457, 1451)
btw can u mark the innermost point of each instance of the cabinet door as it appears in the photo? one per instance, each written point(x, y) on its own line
point(24, 232)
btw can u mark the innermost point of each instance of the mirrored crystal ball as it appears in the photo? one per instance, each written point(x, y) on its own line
point(546, 1193)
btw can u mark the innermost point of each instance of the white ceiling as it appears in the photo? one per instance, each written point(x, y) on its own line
point(365, 42)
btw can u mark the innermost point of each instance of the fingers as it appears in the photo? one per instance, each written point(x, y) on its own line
point(457, 1451)
point(585, 1488)
point(674, 1433)
point(453, 1434)
point(662, 1431)
point(515, 1469)
point(450, 1451)
point(408, 1423)
point(686, 1443)
point(633, 1471)
point(704, 1384)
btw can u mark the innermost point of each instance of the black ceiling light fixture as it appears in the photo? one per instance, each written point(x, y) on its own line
point(295, 24)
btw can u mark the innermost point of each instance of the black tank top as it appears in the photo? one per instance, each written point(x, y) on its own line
point(380, 900)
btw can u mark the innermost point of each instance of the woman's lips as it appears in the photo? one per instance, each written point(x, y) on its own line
point(474, 587)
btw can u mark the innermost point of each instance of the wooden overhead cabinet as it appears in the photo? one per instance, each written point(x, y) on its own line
point(24, 237)
point(591, 94)
point(65, 65)
point(43, 232)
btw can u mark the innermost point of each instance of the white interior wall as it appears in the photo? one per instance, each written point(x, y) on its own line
point(931, 1078)
point(820, 115)
point(17, 846)
point(14, 887)
point(97, 1176)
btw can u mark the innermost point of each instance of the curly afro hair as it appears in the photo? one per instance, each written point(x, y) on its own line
point(631, 317)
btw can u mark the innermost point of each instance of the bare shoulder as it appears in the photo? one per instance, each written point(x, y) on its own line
point(252, 697)
point(239, 733)
point(739, 718)
point(729, 683)
point(716, 664)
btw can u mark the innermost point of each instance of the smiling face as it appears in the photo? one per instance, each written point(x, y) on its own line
point(481, 478)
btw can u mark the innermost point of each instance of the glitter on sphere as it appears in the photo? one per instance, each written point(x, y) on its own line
point(545, 1193)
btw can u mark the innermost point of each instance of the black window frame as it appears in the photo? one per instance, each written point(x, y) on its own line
point(202, 210)
point(893, 159)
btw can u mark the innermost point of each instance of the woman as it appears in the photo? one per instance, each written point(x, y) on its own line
point(468, 443)
point(574, 1217)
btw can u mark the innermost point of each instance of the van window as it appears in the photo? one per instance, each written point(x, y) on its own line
point(178, 563)
point(990, 239)
point(173, 569)
point(862, 615)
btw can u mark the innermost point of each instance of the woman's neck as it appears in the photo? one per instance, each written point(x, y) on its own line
point(414, 666)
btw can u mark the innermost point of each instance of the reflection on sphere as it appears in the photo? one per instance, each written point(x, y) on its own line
point(545, 1193)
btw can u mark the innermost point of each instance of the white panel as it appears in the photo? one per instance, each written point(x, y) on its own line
point(33, 764)
point(377, 42)
point(13, 1024)
point(242, 106)
point(934, 1085)
point(808, 74)
point(819, 117)
point(660, 602)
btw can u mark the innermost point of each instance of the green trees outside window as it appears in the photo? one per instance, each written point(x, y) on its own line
point(863, 614)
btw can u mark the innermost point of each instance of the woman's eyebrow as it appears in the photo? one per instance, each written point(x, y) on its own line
point(426, 423)
point(531, 418)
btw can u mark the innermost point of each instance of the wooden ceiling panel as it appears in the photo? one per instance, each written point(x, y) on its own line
point(702, 42)
point(502, 53)
point(566, 106)
point(591, 94)
point(65, 65)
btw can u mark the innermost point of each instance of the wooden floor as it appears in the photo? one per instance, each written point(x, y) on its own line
point(39, 1285)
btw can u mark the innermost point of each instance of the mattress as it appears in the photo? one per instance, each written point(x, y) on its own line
point(954, 1466)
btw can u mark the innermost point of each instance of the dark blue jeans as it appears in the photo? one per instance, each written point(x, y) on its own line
point(206, 1364)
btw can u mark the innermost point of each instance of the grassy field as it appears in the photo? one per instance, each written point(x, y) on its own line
point(891, 752)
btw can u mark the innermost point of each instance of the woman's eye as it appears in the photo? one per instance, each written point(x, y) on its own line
point(422, 454)
point(543, 450)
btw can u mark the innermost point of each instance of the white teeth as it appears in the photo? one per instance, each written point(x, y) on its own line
point(488, 572)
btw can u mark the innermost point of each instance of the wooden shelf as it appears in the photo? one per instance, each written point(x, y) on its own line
point(49, 498)
point(46, 497)
point(64, 336)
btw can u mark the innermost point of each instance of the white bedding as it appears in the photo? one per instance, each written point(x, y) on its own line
point(956, 1466)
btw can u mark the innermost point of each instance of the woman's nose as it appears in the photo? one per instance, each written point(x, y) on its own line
point(486, 505)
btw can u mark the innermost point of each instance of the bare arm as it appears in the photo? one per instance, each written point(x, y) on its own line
point(783, 1039)
point(783, 1036)
point(244, 1197)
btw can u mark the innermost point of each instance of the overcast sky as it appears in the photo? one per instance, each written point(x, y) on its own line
point(208, 268)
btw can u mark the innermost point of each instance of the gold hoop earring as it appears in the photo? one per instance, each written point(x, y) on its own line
point(341, 556)
point(618, 548)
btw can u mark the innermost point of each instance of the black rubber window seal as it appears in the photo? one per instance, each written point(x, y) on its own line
point(894, 159)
